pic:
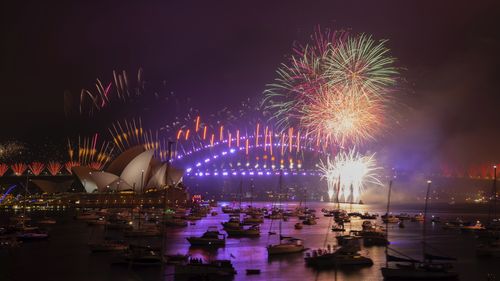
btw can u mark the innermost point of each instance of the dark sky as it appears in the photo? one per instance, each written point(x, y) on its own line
point(220, 52)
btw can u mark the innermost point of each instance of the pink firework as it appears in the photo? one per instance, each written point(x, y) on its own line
point(19, 168)
point(36, 168)
point(54, 167)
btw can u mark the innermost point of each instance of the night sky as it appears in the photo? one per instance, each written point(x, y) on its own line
point(220, 54)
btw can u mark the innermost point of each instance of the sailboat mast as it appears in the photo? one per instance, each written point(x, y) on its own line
point(338, 194)
point(163, 226)
point(424, 229)
point(241, 192)
point(494, 192)
point(279, 200)
point(387, 223)
point(251, 193)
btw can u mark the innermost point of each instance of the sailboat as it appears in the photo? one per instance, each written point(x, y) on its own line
point(27, 233)
point(286, 245)
point(346, 255)
point(407, 268)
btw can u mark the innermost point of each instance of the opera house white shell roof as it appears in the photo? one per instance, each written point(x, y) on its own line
point(135, 169)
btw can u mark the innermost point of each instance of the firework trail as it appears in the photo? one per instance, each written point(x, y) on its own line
point(348, 173)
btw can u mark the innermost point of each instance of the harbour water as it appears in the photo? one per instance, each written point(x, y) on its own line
point(65, 255)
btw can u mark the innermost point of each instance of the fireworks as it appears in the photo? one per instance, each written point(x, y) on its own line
point(19, 168)
point(87, 152)
point(343, 118)
point(54, 167)
point(36, 168)
point(336, 88)
point(10, 150)
point(69, 166)
point(348, 173)
point(3, 169)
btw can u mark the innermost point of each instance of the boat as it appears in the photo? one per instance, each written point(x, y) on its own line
point(298, 225)
point(176, 259)
point(418, 217)
point(100, 221)
point(230, 210)
point(401, 224)
point(287, 245)
point(34, 235)
point(473, 227)
point(390, 219)
point(198, 268)
point(338, 228)
point(253, 271)
point(343, 240)
point(241, 231)
point(47, 220)
point(253, 219)
point(407, 268)
point(87, 216)
point(343, 256)
point(140, 257)
point(403, 216)
point(309, 221)
point(233, 222)
point(142, 232)
point(212, 237)
point(367, 216)
point(456, 224)
point(108, 246)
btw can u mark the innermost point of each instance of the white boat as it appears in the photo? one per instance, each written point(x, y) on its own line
point(212, 237)
point(286, 245)
point(474, 227)
point(344, 256)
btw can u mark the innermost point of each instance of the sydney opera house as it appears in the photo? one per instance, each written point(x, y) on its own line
point(135, 171)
